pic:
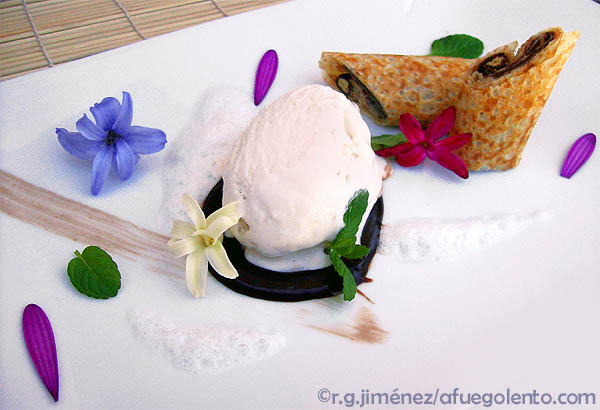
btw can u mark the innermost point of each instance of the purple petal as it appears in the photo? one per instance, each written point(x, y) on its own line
point(144, 140)
point(442, 124)
point(580, 152)
point(100, 167)
point(411, 129)
point(452, 143)
point(265, 75)
point(449, 161)
point(411, 158)
point(89, 130)
point(39, 339)
point(395, 150)
point(114, 159)
point(77, 145)
point(106, 112)
point(123, 121)
point(125, 159)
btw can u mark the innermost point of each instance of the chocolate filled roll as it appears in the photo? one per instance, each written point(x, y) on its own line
point(386, 86)
point(504, 95)
point(498, 97)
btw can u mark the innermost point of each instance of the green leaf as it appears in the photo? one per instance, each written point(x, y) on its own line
point(357, 252)
point(387, 141)
point(457, 45)
point(344, 243)
point(352, 218)
point(94, 273)
point(349, 284)
point(345, 250)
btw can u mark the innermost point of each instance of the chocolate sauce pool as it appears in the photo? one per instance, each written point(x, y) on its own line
point(292, 286)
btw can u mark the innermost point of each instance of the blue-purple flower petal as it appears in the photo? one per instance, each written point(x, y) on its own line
point(144, 140)
point(100, 167)
point(125, 159)
point(112, 142)
point(123, 121)
point(106, 112)
point(114, 159)
point(77, 145)
point(89, 130)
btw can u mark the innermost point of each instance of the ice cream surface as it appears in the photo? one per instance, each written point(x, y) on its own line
point(293, 172)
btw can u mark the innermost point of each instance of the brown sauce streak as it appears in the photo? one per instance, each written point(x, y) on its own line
point(73, 220)
point(365, 329)
point(361, 293)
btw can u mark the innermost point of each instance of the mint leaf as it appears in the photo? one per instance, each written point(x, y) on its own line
point(94, 273)
point(349, 284)
point(357, 252)
point(345, 245)
point(457, 45)
point(352, 218)
point(387, 141)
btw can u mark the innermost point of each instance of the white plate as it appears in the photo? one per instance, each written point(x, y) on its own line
point(522, 314)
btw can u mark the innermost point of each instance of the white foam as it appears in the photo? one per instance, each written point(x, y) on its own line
point(208, 348)
point(197, 158)
point(439, 240)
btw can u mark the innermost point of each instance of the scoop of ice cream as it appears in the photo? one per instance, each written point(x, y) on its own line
point(293, 172)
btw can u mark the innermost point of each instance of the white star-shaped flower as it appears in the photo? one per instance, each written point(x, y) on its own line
point(202, 242)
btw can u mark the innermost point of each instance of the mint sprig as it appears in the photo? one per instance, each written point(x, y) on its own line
point(344, 245)
point(387, 141)
point(94, 273)
point(457, 45)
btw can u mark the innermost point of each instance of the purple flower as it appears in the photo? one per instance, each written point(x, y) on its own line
point(432, 142)
point(112, 141)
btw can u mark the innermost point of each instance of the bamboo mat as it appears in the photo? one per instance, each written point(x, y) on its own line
point(37, 34)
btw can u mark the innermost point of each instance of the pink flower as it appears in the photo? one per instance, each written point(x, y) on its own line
point(430, 143)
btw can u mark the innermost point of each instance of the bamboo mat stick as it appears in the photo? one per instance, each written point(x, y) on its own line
point(144, 7)
point(27, 61)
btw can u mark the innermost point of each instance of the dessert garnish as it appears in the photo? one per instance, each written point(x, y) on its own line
point(344, 245)
point(498, 97)
point(112, 141)
point(580, 152)
point(94, 273)
point(457, 45)
point(202, 242)
point(39, 339)
point(387, 141)
point(265, 75)
point(434, 143)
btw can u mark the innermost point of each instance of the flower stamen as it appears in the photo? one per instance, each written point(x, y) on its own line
point(111, 137)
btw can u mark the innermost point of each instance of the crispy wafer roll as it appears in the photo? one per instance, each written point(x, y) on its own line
point(504, 95)
point(386, 86)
